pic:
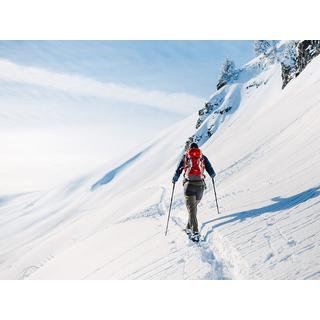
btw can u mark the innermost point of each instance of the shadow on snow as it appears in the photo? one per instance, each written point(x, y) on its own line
point(113, 173)
point(278, 205)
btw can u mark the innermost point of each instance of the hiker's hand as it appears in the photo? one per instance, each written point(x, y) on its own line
point(175, 179)
point(213, 175)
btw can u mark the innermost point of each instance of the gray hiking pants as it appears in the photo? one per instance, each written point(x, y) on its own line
point(193, 192)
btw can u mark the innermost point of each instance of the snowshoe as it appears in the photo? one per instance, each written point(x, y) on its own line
point(195, 237)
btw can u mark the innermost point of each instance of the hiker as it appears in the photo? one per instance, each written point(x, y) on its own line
point(193, 164)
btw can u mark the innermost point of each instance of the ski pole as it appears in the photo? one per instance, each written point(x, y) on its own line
point(170, 208)
point(215, 194)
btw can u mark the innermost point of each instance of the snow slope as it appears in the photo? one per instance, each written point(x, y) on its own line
point(110, 224)
point(52, 130)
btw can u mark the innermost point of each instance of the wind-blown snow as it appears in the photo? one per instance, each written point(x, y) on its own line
point(266, 153)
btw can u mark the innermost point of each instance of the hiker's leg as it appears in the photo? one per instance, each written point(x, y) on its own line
point(199, 193)
point(191, 204)
point(195, 219)
point(186, 188)
point(188, 192)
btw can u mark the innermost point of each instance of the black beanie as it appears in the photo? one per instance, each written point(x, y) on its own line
point(193, 145)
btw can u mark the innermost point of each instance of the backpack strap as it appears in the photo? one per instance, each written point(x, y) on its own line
point(185, 168)
point(202, 165)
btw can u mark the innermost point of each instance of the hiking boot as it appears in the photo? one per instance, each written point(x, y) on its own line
point(195, 237)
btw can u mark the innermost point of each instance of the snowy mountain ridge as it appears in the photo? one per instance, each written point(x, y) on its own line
point(263, 144)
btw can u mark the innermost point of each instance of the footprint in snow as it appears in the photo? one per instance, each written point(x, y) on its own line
point(268, 257)
point(291, 243)
point(28, 271)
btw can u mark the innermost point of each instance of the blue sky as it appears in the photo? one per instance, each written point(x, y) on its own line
point(171, 66)
point(67, 107)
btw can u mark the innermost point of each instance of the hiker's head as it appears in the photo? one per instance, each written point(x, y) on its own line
point(194, 146)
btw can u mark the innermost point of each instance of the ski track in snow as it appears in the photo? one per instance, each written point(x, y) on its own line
point(183, 254)
point(217, 269)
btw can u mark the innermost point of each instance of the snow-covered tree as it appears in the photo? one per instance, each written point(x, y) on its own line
point(295, 57)
point(261, 47)
point(288, 61)
point(228, 72)
point(265, 47)
point(289, 55)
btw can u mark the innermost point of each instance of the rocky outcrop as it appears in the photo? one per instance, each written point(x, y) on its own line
point(306, 51)
point(221, 84)
point(286, 74)
point(293, 57)
point(296, 57)
point(205, 111)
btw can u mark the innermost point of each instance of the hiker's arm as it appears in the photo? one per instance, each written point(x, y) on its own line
point(208, 167)
point(178, 170)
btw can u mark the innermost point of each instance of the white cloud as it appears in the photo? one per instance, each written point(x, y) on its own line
point(176, 102)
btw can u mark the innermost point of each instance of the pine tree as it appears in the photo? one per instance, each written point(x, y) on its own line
point(261, 47)
point(265, 47)
point(289, 56)
point(288, 61)
point(228, 72)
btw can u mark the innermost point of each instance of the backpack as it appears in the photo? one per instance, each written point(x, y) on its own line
point(194, 165)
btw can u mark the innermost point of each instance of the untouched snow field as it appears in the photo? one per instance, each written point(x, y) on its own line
point(110, 224)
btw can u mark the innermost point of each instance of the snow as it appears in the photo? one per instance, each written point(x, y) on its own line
point(50, 136)
point(110, 224)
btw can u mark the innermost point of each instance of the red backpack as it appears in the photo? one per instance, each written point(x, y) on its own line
point(194, 164)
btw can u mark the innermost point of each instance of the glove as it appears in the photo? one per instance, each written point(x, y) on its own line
point(213, 175)
point(175, 179)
